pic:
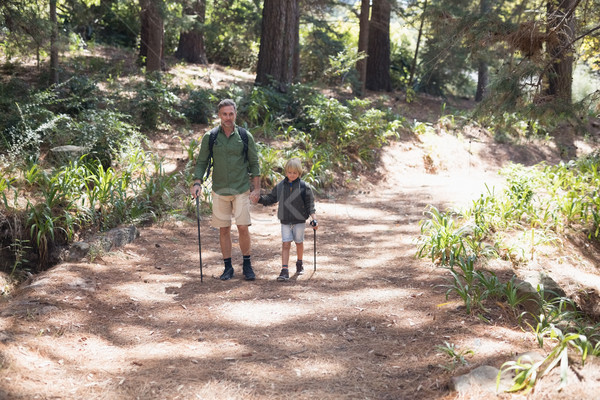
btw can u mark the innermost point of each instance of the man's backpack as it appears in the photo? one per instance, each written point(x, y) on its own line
point(211, 143)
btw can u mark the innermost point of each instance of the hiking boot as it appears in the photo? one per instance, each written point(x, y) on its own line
point(284, 275)
point(299, 268)
point(227, 274)
point(248, 272)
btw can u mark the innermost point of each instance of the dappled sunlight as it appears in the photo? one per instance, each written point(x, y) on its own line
point(310, 368)
point(260, 313)
point(370, 294)
point(145, 294)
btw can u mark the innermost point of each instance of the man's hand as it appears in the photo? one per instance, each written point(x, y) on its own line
point(255, 196)
point(196, 188)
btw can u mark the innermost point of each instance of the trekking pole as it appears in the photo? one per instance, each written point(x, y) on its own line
point(199, 241)
point(315, 248)
point(314, 223)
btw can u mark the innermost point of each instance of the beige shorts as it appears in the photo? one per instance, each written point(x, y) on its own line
point(225, 207)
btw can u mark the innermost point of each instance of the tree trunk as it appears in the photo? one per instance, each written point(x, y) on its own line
point(482, 65)
point(363, 43)
point(413, 66)
point(482, 79)
point(151, 34)
point(378, 62)
point(191, 42)
point(561, 32)
point(53, 43)
point(144, 30)
point(279, 44)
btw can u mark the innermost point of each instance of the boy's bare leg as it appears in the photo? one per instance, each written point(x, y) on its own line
point(300, 250)
point(300, 253)
point(285, 252)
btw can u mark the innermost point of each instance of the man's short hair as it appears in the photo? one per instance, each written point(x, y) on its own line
point(225, 103)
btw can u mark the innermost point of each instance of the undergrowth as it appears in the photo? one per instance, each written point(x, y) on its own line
point(538, 207)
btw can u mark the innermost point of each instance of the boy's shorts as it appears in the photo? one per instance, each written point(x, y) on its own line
point(224, 207)
point(293, 232)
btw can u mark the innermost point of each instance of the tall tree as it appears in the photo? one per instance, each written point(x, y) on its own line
point(151, 34)
point(191, 40)
point(363, 43)
point(53, 43)
point(378, 60)
point(482, 64)
point(413, 66)
point(561, 33)
point(278, 56)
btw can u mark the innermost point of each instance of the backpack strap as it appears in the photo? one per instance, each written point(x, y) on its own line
point(211, 143)
point(244, 135)
point(303, 195)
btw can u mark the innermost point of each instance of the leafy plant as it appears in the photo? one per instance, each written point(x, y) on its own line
point(526, 373)
point(456, 357)
point(157, 102)
point(198, 107)
point(441, 238)
point(510, 292)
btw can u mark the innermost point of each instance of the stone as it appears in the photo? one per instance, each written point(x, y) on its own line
point(77, 251)
point(117, 237)
point(64, 154)
point(483, 378)
point(529, 294)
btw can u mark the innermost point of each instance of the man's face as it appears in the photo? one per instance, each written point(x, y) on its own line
point(227, 116)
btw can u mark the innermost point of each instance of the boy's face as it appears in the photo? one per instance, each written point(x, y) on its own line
point(292, 175)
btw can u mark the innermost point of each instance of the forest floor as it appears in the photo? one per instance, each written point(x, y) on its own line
point(361, 323)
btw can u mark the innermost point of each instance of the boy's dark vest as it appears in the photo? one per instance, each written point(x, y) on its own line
point(211, 143)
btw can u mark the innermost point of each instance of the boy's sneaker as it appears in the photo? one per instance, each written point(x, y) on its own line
point(284, 275)
point(299, 268)
point(248, 272)
point(227, 274)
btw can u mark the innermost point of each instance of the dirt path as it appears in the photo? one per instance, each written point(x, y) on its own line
point(138, 323)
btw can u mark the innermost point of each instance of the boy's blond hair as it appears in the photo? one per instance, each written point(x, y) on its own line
point(294, 165)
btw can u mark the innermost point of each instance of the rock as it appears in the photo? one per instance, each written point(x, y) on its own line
point(117, 237)
point(548, 285)
point(77, 251)
point(531, 297)
point(483, 378)
point(64, 154)
point(103, 243)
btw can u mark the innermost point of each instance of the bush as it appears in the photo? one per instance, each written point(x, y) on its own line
point(199, 105)
point(157, 102)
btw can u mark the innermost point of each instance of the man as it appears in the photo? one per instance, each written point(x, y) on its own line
point(230, 184)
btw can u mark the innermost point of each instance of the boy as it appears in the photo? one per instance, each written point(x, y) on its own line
point(296, 204)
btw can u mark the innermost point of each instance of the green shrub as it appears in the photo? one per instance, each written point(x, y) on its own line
point(199, 106)
point(156, 102)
